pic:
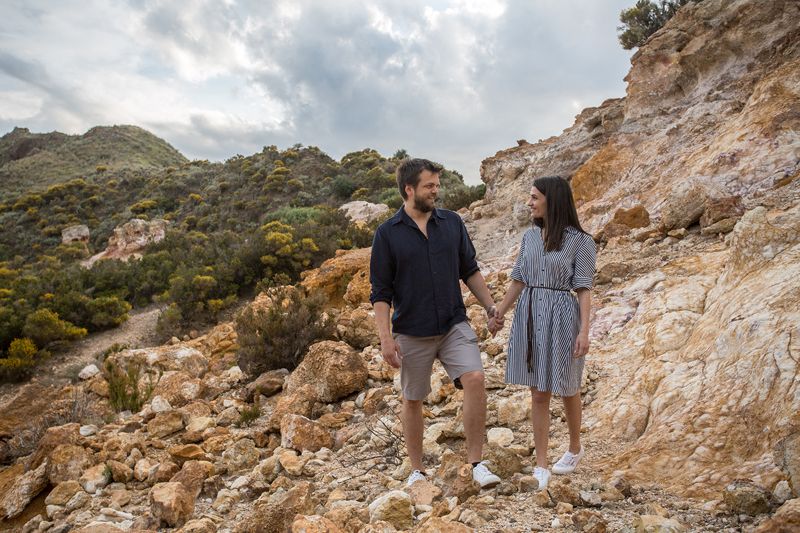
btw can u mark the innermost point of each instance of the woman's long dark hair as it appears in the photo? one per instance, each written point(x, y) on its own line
point(561, 210)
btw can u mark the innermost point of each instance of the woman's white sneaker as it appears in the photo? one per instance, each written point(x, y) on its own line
point(568, 462)
point(415, 476)
point(542, 475)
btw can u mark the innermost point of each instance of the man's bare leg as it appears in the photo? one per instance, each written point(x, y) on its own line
point(474, 414)
point(412, 431)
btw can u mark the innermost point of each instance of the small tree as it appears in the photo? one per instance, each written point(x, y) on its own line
point(278, 337)
point(644, 19)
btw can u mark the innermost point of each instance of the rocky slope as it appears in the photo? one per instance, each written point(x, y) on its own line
point(691, 392)
point(690, 183)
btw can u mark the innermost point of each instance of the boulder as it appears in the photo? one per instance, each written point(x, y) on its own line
point(356, 326)
point(67, 462)
point(62, 493)
point(314, 524)
point(562, 490)
point(785, 520)
point(394, 507)
point(346, 264)
point(299, 402)
point(120, 472)
point(463, 486)
point(192, 476)
point(200, 525)
point(186, 452)
point(178, 388)
point(242, 455)
point(500, 436)
point(23, 489)
point(333, 369)
point(685, 205)
point(718, 209)
point(745, 497)
point(362, 212)
point(589, 521)
point(164, 424)
point(76, 233)
point(657, 524)
point(268, 383)
point(88, 372)
point(300, 433)
point(171, 503)
point(503, 462)
point(513, 410)
point(95, 478)
point(275, 513)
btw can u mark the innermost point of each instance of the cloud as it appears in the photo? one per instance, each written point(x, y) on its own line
point(451, 80)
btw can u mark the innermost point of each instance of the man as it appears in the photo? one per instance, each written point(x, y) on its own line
point(418, 257)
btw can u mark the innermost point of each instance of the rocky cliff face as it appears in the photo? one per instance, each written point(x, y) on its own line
point(696, 321)
point(690, 185)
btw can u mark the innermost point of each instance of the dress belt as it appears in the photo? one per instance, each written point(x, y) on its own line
point(531, 340)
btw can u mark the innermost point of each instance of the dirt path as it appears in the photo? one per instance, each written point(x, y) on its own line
point(139, 331)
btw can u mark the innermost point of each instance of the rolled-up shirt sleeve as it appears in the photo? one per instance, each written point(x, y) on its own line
point(381, 270)
point(467, 264)
point(585, 256)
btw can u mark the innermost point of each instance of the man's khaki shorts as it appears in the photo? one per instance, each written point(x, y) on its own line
point(457, 350)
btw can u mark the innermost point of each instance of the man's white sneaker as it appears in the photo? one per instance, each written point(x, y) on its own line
point(542, 475)
point(484, 476)
point(568, 462)
point(415, 476)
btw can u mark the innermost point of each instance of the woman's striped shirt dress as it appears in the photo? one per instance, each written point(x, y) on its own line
point(547, 317)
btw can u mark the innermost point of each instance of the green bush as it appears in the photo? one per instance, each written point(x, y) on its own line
point(278, 337)
point(22, 358)
point(107, 312)
point(43, 326)
point(169, 322)
point(124, 390)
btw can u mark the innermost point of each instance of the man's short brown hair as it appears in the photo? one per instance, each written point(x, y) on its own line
point(408, 172)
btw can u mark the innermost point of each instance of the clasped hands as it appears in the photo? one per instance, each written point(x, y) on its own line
point(496, 321)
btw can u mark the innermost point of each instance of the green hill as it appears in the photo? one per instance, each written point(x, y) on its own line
point(40, 159)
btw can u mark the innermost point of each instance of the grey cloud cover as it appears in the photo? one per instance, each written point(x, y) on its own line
point(450, 80)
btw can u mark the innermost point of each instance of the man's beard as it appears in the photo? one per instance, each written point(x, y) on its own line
point(424, 206)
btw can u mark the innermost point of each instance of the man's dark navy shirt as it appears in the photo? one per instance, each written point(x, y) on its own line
point(419, 277)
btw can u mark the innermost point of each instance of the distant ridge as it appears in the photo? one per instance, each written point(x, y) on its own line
point(41, 159)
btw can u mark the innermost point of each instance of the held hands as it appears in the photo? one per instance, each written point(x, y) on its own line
point(390, 351)
point(496, 320)
point(581, 345)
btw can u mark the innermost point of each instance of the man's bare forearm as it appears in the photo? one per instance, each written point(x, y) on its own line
point(382, 320)
point(477, 286)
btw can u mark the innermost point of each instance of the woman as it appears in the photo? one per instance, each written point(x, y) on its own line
point(550, 332)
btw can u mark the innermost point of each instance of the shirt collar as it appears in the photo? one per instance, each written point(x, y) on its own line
point(402, 216)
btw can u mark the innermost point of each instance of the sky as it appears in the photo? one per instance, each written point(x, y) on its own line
point(449, 80)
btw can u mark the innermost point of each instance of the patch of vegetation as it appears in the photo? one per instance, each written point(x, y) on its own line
point(260, 219)
point(124, 388)
point(644, 19)
point(278, 337)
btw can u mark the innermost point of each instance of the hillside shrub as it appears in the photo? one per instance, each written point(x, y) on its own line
point(278, 337)
point(125, 393)
point(21, 359)
point(43, 326)
point(107, 312)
